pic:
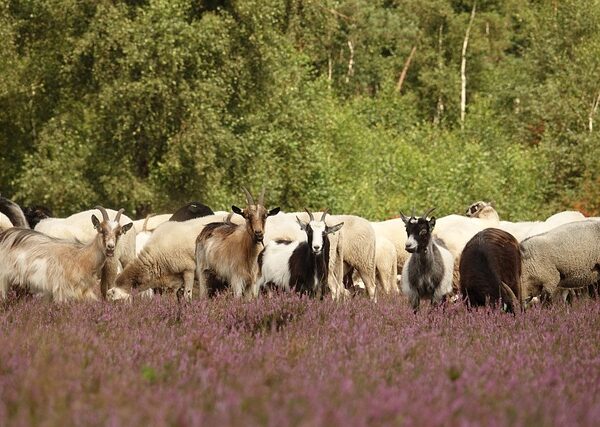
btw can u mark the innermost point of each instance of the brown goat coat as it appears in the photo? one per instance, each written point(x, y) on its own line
point(489, 260)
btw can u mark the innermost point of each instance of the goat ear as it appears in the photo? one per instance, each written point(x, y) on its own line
point(334, 228)
point(273, 211)
point(431, 222)
point(301, 224)
point(125, 228)
point(237, 210)
point(96, 222)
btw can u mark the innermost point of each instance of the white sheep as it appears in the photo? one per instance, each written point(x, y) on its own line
point(167, 260)
point(566, 257)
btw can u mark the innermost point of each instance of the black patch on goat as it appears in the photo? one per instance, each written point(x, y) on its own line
point(34, 214)
point(226, 228)
point(490, 258)
point(190, 211)
point(304, 265)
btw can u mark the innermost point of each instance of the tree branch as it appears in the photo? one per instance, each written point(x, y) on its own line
point(405, 69)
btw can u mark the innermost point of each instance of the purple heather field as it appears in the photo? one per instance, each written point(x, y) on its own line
point(292, 361)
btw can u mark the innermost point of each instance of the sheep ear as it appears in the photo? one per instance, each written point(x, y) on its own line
point(237, 210)
point(301, 224)
point(273, 211)
point(334, 228)
point(125, 228)
point(96, 222)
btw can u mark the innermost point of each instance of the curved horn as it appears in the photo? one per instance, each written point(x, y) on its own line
point(249, 198)
point(103, 212)
point(144, 227)
point(324, 213)
point(426, 214)
point(510, 297)
point(261, 198)
point(118, 215)
point(310, 215)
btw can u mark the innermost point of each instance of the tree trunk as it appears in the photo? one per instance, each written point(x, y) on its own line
point(593, 112)
point(405, 69)
point(350, 62)
point(463, 66)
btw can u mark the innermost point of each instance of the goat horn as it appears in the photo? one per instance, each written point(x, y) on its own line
point(323, 216)
point(412, 214)
point(426, 214)
point(144, 227)
point(261, 199)
point(249, 198)
point(511, 296)
point(310, 215)
point(118, 215)
point(103, 212)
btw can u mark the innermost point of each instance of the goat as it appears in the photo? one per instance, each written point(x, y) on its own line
point(190, 211)
point(58, 268)
point(77, 228)
point(428, 271)
point(150, 224)
point(229, 251)
point(490, 269)
point(299, 265)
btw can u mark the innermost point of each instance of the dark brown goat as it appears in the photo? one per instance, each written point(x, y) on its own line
point(490, 269)
point(229, 252)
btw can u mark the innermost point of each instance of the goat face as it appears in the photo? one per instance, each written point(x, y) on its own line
point(475, 210)
point(110, 231)
point(255, 215)
point(419, 232)
point(317, 231)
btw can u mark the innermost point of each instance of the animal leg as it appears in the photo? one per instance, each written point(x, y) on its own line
point(109, 274)
point(237, 285)
point(415, 301)
point(188, 285)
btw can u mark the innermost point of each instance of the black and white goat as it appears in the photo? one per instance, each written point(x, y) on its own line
point(299, 265)
point(428, 271)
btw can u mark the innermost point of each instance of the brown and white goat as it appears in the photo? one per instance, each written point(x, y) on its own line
point(490, 269)
point(58, 268)
point(229, 251)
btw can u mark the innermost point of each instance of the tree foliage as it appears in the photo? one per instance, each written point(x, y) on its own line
point(149, 104)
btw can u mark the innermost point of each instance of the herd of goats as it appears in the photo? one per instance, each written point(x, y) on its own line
point(255, 250)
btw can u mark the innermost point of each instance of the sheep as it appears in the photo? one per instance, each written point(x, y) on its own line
point(151, 224)
point(13, 212)
point(386, 267)
point(76, 228)
point(428, 271)
point(490, 269)
point(524, 229)
point(167, 261)
point(229, 251)
point(394, 231)
point(142, 237)
point(564, 258)
point(54, 267)
point(190, 211)
point(299, 265)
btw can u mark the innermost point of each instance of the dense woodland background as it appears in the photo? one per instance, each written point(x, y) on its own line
point(149, 104)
